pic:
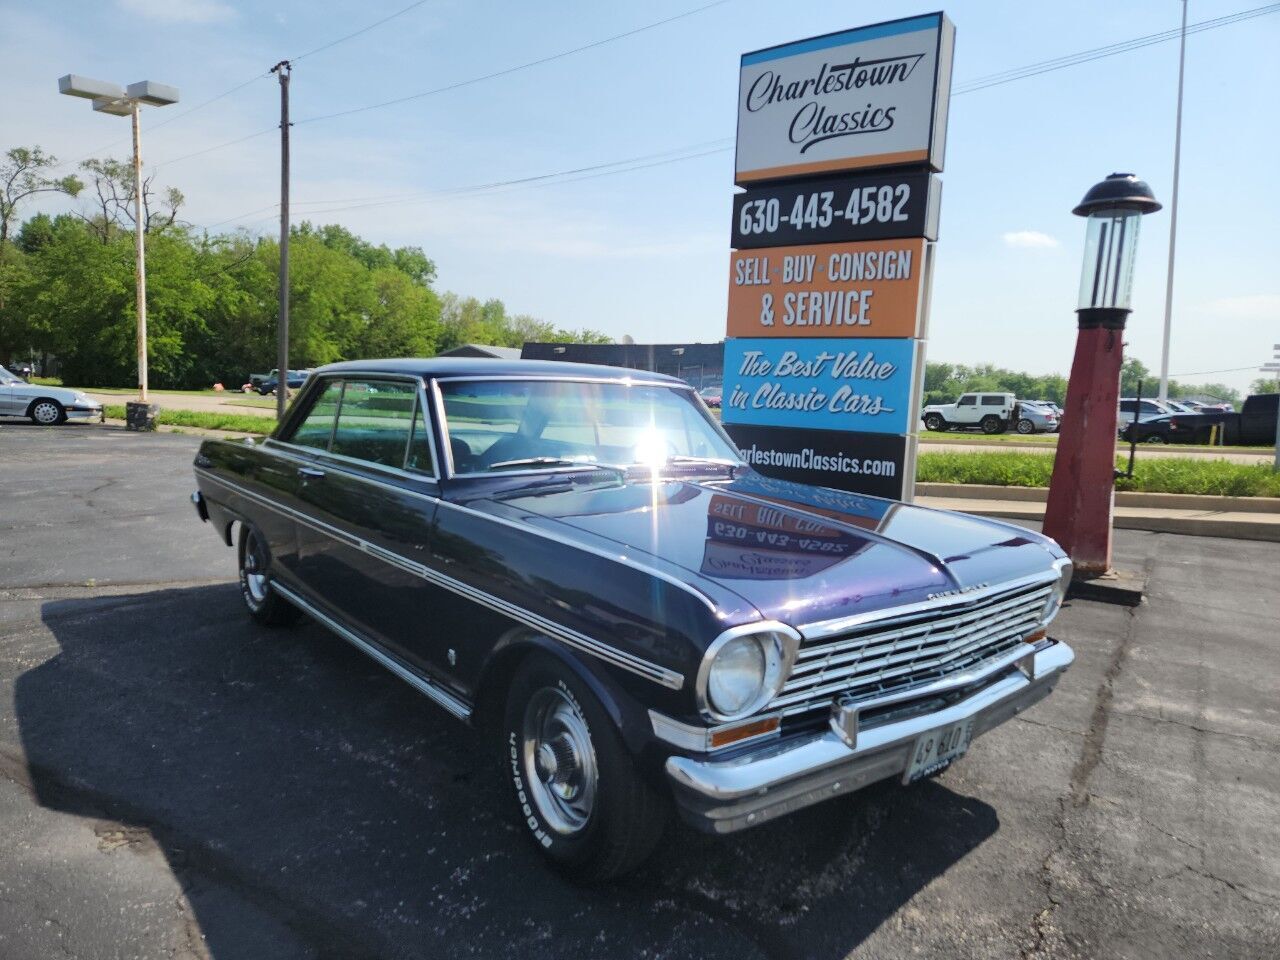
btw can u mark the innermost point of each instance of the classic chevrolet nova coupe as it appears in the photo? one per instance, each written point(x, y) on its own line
point(576, 559)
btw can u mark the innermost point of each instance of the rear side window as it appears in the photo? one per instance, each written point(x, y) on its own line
point(375, 421)
point(316, 429)
point(1127, 406)
point(420, 457)
point(966, 401)
point(992, 401)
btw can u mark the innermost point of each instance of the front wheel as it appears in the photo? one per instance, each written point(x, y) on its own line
point(576, 788)
point(1025, 426)
point(263, 603)
point(47, 413)
point(934, 421)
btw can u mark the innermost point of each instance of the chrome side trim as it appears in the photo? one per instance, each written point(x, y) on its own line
point(274, 446)
point(443, 697)
point(579, 641)
point(829, 628)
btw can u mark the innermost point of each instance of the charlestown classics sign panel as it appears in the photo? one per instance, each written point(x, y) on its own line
point(877, 464)
point(861, 385)
point(870, 289)
point(880, 206)
point(870, 97)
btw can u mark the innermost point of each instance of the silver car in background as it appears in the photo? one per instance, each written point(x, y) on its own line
point(1033, 417)
point(44, 405)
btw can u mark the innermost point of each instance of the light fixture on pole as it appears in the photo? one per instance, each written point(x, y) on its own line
point(127, 102)
point(1082, 491)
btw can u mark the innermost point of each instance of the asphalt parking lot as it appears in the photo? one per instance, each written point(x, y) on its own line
point(178, 782)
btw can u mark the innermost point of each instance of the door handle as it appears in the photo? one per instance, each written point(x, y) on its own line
point(310, 473)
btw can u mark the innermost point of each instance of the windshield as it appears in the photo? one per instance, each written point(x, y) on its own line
point(7, 377)
point(496, 425)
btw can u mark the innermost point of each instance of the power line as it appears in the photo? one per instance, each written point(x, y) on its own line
point(517, 68)
point(1111, 50)
point(1205, 373)
point(721, 144)
point(356, 33)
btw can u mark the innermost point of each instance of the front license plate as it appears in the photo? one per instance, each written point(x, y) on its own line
point(937, 748)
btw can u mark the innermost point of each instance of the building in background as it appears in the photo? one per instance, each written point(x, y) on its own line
point(698, 364)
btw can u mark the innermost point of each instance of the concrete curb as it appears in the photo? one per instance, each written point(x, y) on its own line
point(1237, 525)
point(1159, 501)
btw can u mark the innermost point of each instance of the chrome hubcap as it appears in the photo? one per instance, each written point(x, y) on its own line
point(45, 413)
point(255, 581)
point(559, 760)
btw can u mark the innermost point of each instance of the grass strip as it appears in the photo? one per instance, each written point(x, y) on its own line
point(1151, 475)
point(239, 422)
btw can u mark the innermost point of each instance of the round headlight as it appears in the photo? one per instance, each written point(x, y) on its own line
point(737, 675)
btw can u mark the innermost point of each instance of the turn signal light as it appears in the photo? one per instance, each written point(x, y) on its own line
point(743, 731)
point(1034, 637)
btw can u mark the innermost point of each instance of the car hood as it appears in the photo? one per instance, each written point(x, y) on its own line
point(63, 395)
point(794, 553)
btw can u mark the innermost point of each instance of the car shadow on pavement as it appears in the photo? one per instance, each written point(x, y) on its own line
point(306, 799)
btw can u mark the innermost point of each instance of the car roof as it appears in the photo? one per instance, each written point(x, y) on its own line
point(442, 367)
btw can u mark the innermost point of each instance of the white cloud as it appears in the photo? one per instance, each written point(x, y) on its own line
point(1029, 239)
point(179, 11)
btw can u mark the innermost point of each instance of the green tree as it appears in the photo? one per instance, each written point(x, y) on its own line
point(1264, 385)
point(23, 174)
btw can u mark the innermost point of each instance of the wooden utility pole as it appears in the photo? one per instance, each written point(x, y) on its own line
point(282, 69)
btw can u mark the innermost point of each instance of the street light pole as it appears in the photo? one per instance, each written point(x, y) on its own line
point(118, 101)
point(1173, 216)
point(140, 262)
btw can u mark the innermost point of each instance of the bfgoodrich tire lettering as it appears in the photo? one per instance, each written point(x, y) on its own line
point(619, 827)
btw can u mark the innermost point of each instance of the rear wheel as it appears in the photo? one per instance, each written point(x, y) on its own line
point(264, 604)
point(1153, 438)
point(1025, 426)
point(934, 421)
point(992, 424)
point(576, 788)
point(47, 412)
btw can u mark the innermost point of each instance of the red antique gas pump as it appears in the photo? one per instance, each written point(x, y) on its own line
point(1082, 491)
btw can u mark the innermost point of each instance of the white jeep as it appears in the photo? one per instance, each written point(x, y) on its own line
point(992, 412)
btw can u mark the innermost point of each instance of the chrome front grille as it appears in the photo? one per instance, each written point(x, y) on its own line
point(901, 652)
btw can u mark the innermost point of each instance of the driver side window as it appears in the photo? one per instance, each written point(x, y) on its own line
point(316, 429)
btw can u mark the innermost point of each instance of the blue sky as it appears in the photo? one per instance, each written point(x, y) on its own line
point(645, 252)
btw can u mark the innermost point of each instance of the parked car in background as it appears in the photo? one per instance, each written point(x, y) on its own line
point(1034, 418)
point(1171, 428)
point(576, 560)
point(293, 381)
point(1132, 409)
point(989, 412)
point(47, 406)
point(711, 396)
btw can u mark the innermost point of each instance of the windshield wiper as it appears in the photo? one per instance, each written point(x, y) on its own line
point(730, 465)
point(558, 462)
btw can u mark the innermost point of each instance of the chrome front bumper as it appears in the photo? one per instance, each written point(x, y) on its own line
point(728, 795)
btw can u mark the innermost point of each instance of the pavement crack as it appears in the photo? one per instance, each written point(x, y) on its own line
point(1240, 889)
point(1047, 938)
point(1096, 735)
point(1258, 741)
point(1048, 726)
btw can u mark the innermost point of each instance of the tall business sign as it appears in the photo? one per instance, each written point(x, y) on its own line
point(839, 141)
